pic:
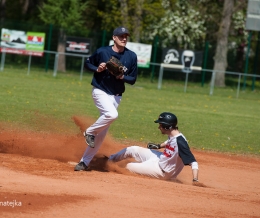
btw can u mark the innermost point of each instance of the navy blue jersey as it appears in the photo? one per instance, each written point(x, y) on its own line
point(105, 80)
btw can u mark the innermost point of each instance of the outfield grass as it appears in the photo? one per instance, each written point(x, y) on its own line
point(218, 122)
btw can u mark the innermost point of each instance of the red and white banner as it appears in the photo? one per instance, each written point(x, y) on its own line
point(22, 52)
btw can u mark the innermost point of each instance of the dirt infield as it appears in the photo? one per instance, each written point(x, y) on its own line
point(37, 180)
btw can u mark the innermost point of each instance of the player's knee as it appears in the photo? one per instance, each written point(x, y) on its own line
point(131, 167)
point(133, 149)
point(112, 115)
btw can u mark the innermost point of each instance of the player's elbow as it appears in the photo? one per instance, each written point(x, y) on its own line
point(131, 81)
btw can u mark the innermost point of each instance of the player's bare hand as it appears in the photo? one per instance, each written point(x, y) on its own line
point(120, 77)
point(101, 67)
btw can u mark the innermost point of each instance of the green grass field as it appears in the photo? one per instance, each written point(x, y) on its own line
point(219, 122)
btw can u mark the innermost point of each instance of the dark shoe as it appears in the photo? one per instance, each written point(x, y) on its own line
point(89, 139)
point(106, 157)
point(81, 166)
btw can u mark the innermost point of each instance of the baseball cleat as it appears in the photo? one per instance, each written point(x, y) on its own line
point(89, 139)
point(105, 157)
point(81, 166)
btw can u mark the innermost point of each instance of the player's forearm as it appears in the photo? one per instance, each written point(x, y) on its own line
point(90, 66)
point(195, 171)
point(195, 174)
point(92, 63)
point(163, 145)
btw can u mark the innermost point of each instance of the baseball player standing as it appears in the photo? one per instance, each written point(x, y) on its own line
point(107, 90)
point(166, 164)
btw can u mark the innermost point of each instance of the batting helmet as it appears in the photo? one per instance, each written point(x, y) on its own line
point(167, 119)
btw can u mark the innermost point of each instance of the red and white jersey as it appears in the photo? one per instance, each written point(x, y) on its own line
point(170, 160)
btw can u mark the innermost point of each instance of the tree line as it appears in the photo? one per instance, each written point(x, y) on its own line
point(187, 23)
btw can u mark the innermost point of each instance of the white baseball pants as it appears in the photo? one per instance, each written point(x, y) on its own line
point(107, 106)
point(147, 161)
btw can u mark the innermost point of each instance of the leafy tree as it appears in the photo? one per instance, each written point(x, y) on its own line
point(67, 15)
point(182, 23)
point(220, 60)
point(238, 38)
point(135, 14)
point(2, 11)
point(192, 22)
point(187, 23)
point(124, 12)
point(220, 63)
point(22, 10)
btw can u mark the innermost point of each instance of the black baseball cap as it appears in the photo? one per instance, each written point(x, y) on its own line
point(120, 31)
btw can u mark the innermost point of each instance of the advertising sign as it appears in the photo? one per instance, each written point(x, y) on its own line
point(253, 15)
point(186, 60)
point(20, 42)
point(35, 41)
point(78, 45)
point(143, 52)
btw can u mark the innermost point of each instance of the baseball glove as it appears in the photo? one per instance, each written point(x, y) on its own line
point(115, 67)
point(151, 145)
